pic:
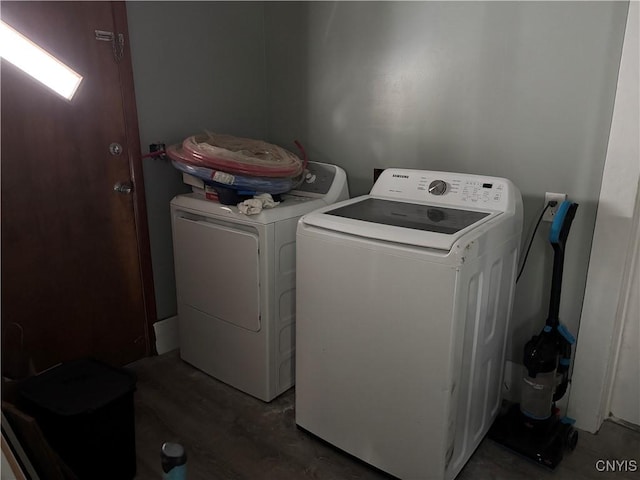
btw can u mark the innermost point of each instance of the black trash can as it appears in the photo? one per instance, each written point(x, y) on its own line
point(85, 410)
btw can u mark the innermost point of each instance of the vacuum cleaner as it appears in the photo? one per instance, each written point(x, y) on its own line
point(534, 428)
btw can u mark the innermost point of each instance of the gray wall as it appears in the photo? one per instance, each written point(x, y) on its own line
point(522, 90)
point(197, 66)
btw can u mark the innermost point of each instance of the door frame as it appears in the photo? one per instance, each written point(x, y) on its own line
point(608, 278)
point(125, 70)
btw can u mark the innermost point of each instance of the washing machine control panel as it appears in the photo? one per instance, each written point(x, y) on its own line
point(444, 188)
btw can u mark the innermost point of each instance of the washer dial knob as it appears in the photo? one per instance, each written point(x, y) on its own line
point(437, 187)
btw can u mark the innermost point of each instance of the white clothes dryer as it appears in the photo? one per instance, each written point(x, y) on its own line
point(403, 305)
point(235, 282)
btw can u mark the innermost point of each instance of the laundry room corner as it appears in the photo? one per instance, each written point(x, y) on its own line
point(521, 90)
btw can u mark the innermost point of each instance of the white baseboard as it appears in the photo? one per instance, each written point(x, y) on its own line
point(166, 335)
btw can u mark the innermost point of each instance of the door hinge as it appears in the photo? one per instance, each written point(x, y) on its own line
point(117, 42)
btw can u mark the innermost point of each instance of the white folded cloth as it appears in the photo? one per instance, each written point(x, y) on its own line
point(255, 205)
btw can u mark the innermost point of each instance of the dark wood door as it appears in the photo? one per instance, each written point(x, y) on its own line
point(76, 274)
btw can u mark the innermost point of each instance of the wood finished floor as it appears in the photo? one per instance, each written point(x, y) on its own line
point(231, 436)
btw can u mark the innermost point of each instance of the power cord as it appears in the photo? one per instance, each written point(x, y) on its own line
point(552, 203)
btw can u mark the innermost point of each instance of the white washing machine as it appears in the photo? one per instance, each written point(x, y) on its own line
point(235, 281)
point(403, 304)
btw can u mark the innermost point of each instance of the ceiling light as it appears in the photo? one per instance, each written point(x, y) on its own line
point(38, 63)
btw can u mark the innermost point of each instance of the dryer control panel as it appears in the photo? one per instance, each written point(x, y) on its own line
point(318, 179)
point(445, 188)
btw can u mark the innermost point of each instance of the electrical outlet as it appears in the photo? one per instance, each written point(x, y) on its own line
point(550, 213)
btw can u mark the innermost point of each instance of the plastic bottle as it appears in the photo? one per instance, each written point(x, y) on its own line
point(174, 461)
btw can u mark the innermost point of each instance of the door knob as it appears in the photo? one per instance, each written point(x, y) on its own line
point(123, 187)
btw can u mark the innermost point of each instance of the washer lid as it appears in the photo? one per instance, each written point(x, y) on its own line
point(430, 218)
point(419, 224)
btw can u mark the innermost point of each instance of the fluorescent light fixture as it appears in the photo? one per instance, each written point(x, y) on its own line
point(41, 65)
